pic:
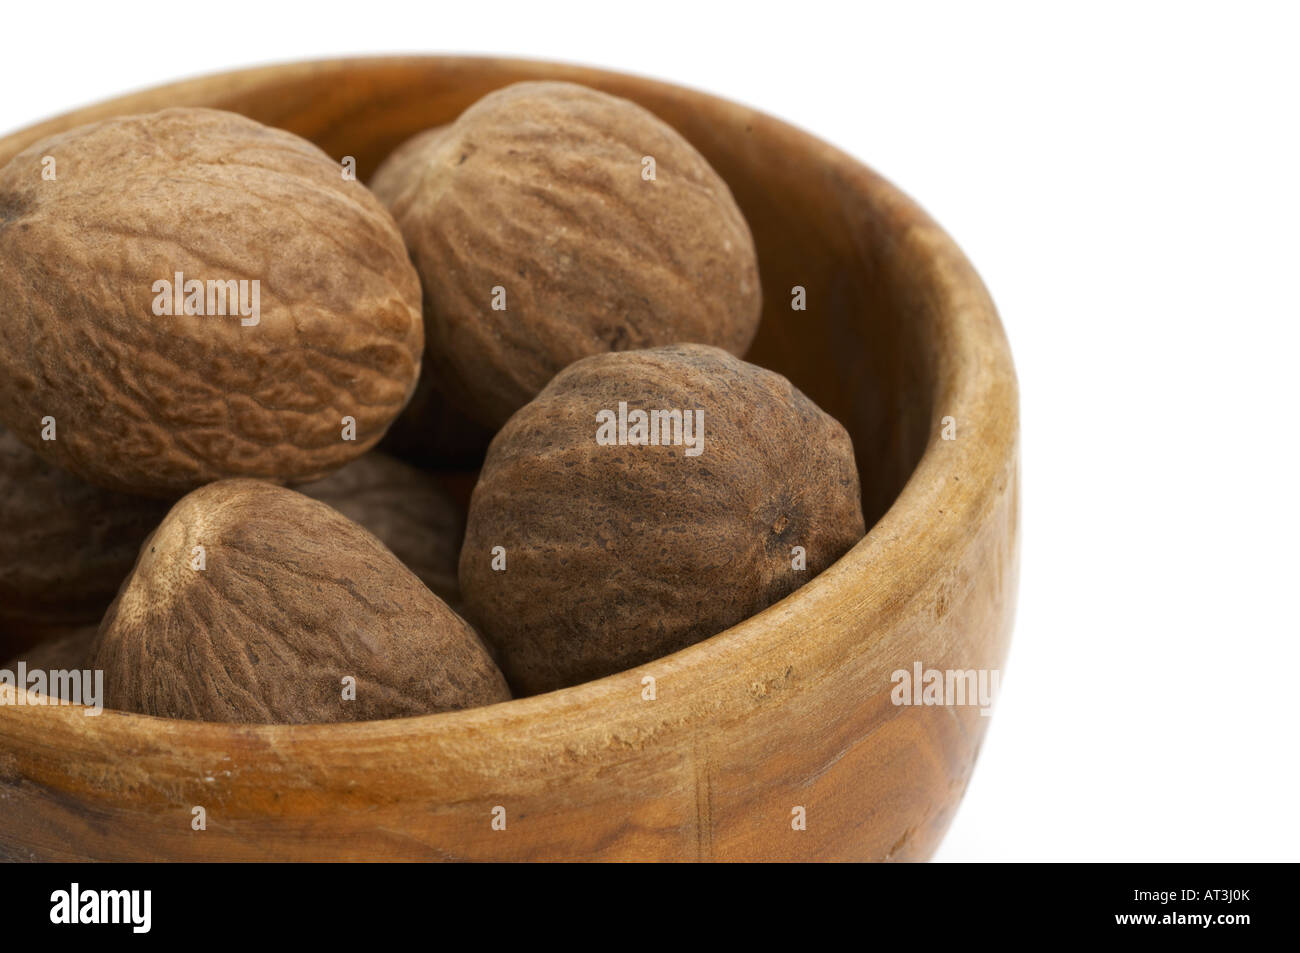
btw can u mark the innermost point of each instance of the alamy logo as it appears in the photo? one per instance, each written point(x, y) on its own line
point(651, 428)
point(55, 687)
point(949, 688)
point(75, 905)
point(216, 297)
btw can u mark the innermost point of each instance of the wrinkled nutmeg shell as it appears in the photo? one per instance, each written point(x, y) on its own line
point(160, 404)
point(617, 555)
point(65, 546)
point(538, 189)
point(407, 510)
point(294, 598)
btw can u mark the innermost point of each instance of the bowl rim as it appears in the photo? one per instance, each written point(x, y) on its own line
point(974, 378)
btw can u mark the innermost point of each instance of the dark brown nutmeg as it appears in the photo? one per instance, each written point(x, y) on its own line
point(254, 603)
point(65, 546)
point(407, 510)
point(551, 222)
point(589, 551)
point(192, 295)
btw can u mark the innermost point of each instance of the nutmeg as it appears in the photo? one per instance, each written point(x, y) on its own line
point(65, 546)
point(645, 501)
point(191, 295)
point(551, 222)
point(254, 603)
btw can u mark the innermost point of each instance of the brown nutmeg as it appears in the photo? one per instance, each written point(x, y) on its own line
point(285, 600)
point(65, 546)
point(589, 551)
point(407, 510)
point(551, 222)
point(191, 295)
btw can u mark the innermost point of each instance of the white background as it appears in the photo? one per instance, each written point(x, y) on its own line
point(1125, 178)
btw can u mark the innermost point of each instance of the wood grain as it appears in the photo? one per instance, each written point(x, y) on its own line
point(790, 708)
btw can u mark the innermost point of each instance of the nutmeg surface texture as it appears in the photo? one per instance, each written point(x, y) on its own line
point(644, 501)
point(254, 603)
point(190, 296)
point(551, 222)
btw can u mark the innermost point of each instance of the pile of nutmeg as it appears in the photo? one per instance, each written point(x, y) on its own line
point(237, 385)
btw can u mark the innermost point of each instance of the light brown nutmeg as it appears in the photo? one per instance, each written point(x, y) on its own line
point(551, 222)
point(321, 303)
point(407, 510)
point(613, 524)
point(65, 546)
point(285, 601)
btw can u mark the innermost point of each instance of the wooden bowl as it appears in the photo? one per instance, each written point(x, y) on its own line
point(789, 710)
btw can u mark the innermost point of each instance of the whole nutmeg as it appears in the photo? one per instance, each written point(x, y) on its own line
point(551, 222)
point(190, 295)
point(645, 501)
point(253, 603)
point(65, 546)
point(407, 510)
